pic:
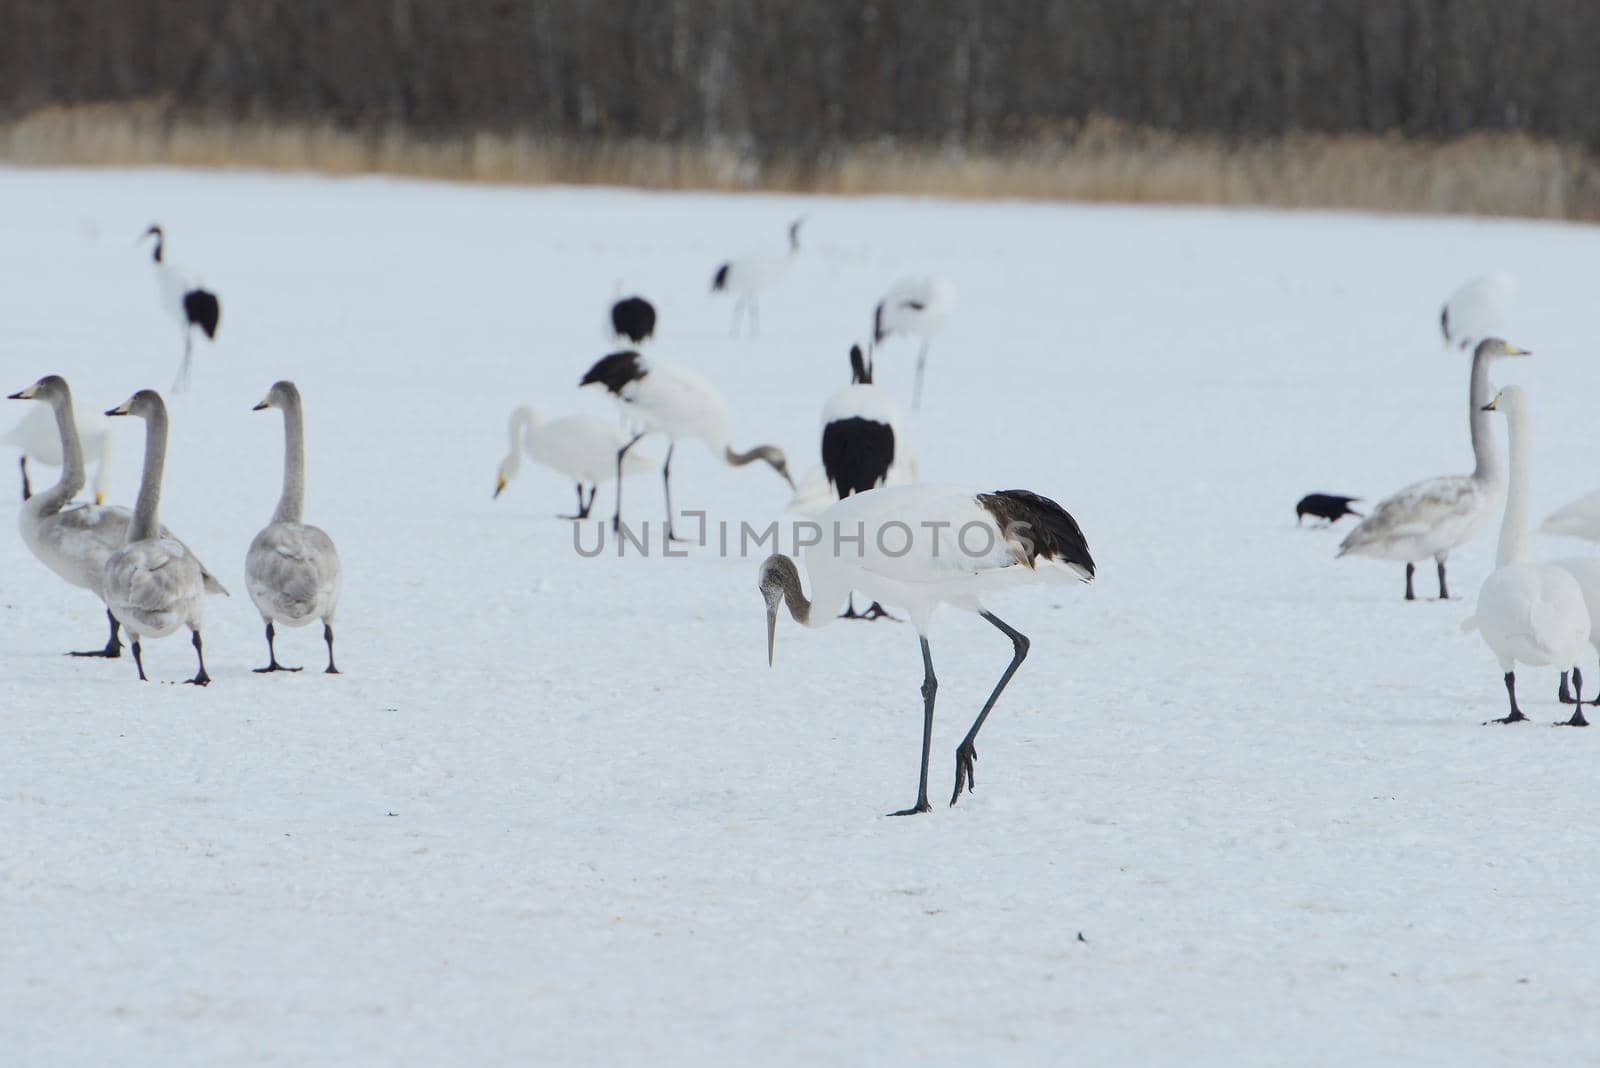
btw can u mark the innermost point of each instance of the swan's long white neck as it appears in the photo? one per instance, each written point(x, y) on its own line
point(1488, 467)
point(1514, 528)
point(146, 510)
point(58, 496)
point(291, 503)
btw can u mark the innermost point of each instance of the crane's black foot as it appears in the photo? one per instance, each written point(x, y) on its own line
point(274, 666)
point(921, 806)
point(1515, 717)
point(966, 756)
point(876, 611)
point(202, 679)
point(1577, 719)
point(329, 670)
point(112, 651)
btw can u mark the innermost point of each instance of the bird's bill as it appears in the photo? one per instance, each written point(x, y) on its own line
point(1494, 405)
point(125, 408)
point(24, 394)
point(99, 498)
point(499, 484)
point(1512, 350)
point(772, 632)
point(263, 406)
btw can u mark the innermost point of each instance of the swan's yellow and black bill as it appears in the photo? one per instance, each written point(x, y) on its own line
point(772, 632)
point(499, 484)
point(99, 498)
point(263, 406)
point(21, 394)
point(125, 408)
point(1512, 350)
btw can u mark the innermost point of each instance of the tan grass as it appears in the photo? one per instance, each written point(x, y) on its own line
point(1499, 174)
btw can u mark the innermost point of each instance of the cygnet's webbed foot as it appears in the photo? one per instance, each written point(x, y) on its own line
point(1515, 716)
point(274, 666)
point(1577, 719)
point(921, 806)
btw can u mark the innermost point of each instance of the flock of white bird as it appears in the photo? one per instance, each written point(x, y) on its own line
point(1531, 613)
point(151, 583)
point(959, 543)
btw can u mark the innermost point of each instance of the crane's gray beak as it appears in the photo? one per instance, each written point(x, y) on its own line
point(772, 631)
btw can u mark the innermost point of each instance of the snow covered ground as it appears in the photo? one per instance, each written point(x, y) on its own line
point(1237, 807)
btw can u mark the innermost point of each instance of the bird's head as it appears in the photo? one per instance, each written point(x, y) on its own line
point(794, 234)
point(778, 576)
point(145, 403)
point(775, 459)
point(283, 394)
point(47, 388)
point(1495, 347)
point(155, 232)
point(860, 371)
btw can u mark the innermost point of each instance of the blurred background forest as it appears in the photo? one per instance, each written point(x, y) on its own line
point(1448, 105)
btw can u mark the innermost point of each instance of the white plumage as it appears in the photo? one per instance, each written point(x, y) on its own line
point(1528, 613)
point(919, 547)
point(663, 398)
point(154, 585)
point(864, 445)
point(1479, 309)
point(581, 447)
point(292, 568)
point(748, 277)
point(37, 438)
point(1580, 519)
point(916, 306)
point(1434, 516)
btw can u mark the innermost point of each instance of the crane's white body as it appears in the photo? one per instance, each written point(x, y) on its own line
point(1528, 613)
point(816, 492)
point(676, 403)
point(37, 438)
point(1479, 309)
point(920, 547)
point(751, 275)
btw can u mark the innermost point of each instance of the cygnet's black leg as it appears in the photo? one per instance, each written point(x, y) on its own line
point(327, 636)
point(200, 677)
point(113, 648)
point(138, 660)
point(272, 655)
point(27, 490)
point(1515, 715)
point(1577, 719)
point(1411, 569)
point(1444, 590)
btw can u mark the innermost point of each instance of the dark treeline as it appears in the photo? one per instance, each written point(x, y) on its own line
point(803, 76)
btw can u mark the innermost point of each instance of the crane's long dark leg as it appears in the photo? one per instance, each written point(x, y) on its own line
point(666, 486)
point(272, 654)
point(1444, 590)
point(327, 636)
point(1411, 569)
point(1577, 719)
point(877, 611)
point(930, 688)
point(616, 517)
point(200, 677)
point(27, 490)
point(581, 513)
point(1515, 715)
point(113, 647)
point(966, 752)
point(589, 507)
point(138, 659)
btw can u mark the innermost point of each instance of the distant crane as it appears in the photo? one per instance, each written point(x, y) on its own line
point(187, 301)
point(750, 276)
point(676, 403)
point(915, 306)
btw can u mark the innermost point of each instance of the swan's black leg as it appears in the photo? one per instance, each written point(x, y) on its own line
point(113, 648)
point(1515, 715)
point(1577, 719)
point(27, 490)
point(1411, 569)
point(327, 636)
point(1444, 590)
point(616, 517)
point(966, 752)
point(138, 661)
point(930, 687)
point(200, 677)
point(272, 654)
